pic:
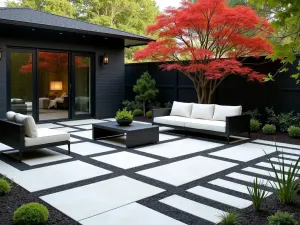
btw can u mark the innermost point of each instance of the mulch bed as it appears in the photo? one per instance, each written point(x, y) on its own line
point(18, 197)
point(270, 206)
point(278, 137)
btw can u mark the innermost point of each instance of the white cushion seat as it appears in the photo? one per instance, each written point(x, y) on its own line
point(46, 136)
point(171, 120)
point(218, 126)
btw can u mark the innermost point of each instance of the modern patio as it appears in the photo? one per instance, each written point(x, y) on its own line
point(180, 180)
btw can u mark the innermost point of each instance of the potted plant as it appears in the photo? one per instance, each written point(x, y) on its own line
point(124, 117)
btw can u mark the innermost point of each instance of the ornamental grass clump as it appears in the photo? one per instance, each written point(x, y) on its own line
point(257, 193)
point(287, 184)
point(269, 129)
point(31, 214)
point(254, 125)
point(5, 187)
point(294, 132)
point(282, 218)
point(230, 218)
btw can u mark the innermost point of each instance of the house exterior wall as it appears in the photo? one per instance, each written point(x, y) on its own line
point(109, 79)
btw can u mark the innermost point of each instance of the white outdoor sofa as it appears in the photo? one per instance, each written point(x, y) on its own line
point(20, 132)
point(204, 118)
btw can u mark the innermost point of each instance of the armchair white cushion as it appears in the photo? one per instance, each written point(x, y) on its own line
point(221, 112)
point(46, 136)
point(29, 125)
point(181, 109)
point(203, 111)
point(11, 116)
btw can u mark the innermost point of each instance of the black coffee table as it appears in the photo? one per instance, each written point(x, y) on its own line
point(137, 134)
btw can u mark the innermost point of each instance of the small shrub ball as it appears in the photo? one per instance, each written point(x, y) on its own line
point(31, 214)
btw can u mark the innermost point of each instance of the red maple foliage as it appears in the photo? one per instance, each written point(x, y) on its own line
point(204, 40)
point(53, 62)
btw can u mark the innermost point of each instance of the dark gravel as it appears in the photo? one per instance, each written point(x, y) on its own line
point(19, 196)
point(278, 137)
point(269, 207)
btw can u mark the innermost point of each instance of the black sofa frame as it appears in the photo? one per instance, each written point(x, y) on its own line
point(13, 135)
point(235, 125)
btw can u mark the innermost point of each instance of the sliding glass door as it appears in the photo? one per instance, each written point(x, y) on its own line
point(50, 85)
point(21, 68)
point(82, 88)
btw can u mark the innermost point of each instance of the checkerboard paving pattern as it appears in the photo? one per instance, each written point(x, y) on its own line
point(180, 180)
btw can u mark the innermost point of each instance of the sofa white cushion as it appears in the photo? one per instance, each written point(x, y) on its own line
point(203, 111)
point(46, 136)
point(11, 116)
point(29, 125)
point(181, 109)
point(218, 126)
point(222, 111)
point(171, 120)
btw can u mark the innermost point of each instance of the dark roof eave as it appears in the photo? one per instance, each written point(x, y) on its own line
point(80, 31)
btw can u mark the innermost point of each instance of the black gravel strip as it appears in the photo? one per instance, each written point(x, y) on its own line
point(278, 137)
point(18, 197)
point(269, 207)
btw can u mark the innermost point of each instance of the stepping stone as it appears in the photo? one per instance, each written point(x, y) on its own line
point(197, 209)
point(278, 167)
point(166, 137)
point(244, 152)
point(291, 151)
point(87, 148)
point(125, 160)
point(4, 147)
point(179, 148)
point(249, 179)
point(220, 197)
point(286, 161)
point(81, 122)
point(278, 144)
point(293, 157)
point(72, 140)
point(53, 176)
point(230, 185)
point(261, 172)
point(187, 170)
point(85, 127)
point(66, 129)
point(48, 125)
point(37, 157)
point(132, 214)
point(100, 197)
point(84, 134)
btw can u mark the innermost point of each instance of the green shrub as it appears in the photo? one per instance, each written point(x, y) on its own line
point(124, 115)
point(287, 184)
point(149, 114)
point(230, 218)
point(31, 214)
point(269, 129)
point(168, 105)
point(154, 105)
point(5, 187)
point(254, 114)
point(254, 125)
point(132, 105)
point(285, 121)
point(137, 112)
point(294, 132)
point(282, 218)
point(271, 116)
point(257, 193)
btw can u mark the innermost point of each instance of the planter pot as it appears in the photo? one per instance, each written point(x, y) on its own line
point(124, 122)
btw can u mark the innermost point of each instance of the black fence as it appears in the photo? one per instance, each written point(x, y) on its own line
point(283, 94)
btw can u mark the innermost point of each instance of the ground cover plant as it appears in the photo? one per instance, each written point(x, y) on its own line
point(294, 132)
point(269, 129)
point(230, 218)
point(5, 186)
point(254, 125)
point(31, 213)
point(282, 218)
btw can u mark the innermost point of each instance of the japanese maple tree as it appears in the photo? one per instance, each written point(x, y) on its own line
point(205, 39)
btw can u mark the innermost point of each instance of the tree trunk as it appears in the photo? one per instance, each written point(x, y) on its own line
point(144, 108)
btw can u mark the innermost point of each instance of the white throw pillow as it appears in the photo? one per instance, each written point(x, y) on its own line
point(181, 109)
point(203, 111)
point(29, 125)
point(10, 116)
point(222, 111)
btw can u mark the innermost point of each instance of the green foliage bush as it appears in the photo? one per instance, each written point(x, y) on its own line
point(132, 105)
point(5, 187)
point(31, 214)
point(285, 121)
point(149, 114)
point(254, 114)
point(271, 117)
point(124, 115)
point(269, 129)
point(168, 105)
point(137, 112)
point(257, 193)
point(230, 218)
point(254, 125)
point(294, 132)
point(154, 105)
point(282, 218)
